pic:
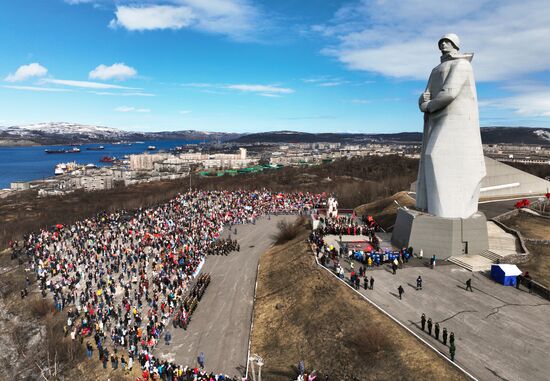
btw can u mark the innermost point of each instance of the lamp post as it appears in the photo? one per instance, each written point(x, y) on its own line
point(255, 359)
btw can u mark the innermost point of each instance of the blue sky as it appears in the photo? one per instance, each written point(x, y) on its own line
point(246, 66)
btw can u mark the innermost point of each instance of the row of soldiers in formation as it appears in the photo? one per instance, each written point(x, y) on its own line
point(189, 304)
point(224, 246)
point(444, 336)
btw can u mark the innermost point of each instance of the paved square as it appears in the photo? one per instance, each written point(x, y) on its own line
point(501, 333)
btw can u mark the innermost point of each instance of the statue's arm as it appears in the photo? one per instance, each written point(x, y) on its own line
point(425, 96)
point(451, 88)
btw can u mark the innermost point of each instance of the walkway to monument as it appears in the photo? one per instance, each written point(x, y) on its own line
point(502, 242)
point(220, 327)
point(501, 333)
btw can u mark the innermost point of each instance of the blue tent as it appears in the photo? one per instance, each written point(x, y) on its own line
point(505, 274)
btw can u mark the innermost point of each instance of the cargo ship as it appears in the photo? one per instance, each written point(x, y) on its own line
point(107, 159)
point(72, 150)
point(54, 150)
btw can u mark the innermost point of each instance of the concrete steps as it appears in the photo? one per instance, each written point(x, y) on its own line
point(501, 245)
point(494, 257)
point(472, 262)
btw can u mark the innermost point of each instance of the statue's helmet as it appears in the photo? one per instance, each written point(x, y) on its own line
point(451, 37)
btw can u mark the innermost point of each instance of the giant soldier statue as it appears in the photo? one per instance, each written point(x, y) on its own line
point(447, 222)
point(451, 163)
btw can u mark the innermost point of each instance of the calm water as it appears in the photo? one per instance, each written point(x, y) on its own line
point(32, 163)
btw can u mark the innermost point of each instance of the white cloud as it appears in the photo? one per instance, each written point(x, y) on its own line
point(207, 91)
point(118, 71)
point(233, 18)
point(36, 88)
point(399, 38)
point(532, 101)
point(124, 94)
point(85, 84)
point(262, 90)
point(361, 101)
point(25, 72)
point(325, 81)
point(332, 84)
point(131, 109)
point(265, 89)
point(185, 112)
point(195, 84)
point(152, 17)
point(76, 2)
point(124, 109)
point(308, 117)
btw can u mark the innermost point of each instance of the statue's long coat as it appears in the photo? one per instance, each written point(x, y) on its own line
point(452, 164)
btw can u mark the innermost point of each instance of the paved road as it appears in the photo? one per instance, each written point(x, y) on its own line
point(492, 209)
point(220, 326)
point(501, 333)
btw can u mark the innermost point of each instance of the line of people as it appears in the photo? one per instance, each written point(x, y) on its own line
point(183, 315)
point(436, 329)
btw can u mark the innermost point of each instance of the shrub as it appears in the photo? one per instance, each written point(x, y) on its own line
point(40, 307)
point(287, 230)
point(373, 343)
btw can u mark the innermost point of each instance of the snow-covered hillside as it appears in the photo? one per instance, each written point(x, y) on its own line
point(74, 133)
point(543, 134)
point(64, 128)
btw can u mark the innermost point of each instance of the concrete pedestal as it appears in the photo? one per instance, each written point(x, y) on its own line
point(444, 237)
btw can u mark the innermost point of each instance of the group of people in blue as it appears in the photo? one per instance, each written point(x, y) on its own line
point(376, 258)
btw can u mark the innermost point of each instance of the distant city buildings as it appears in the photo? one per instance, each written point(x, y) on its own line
point(136, 169)
point(317, 153)
point(215, 159)
point(178, 163)
point(520, 153)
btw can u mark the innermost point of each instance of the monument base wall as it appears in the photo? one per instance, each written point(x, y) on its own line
point(442, 237)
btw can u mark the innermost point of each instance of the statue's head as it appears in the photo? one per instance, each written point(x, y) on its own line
point(448, 43)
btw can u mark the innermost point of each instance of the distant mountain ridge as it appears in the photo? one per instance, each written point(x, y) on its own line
point(73, 133)
point(64, 133)
point(489, 135)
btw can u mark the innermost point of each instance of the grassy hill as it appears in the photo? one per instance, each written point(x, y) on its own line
point(303, 313)
point(384, 211)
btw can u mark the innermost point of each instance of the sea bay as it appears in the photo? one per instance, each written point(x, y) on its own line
point(33, 163)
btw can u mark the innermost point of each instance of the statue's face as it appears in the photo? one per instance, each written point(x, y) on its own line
point(446, 46)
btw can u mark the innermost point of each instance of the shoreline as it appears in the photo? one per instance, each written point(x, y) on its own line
point(13, 143)
point(9, 143)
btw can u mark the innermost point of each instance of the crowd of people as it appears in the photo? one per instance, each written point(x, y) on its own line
point(349, 225)
point(370, 255)
point(123, 275)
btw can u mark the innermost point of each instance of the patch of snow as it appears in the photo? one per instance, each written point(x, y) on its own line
point(64, 128)
point(544, 134)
